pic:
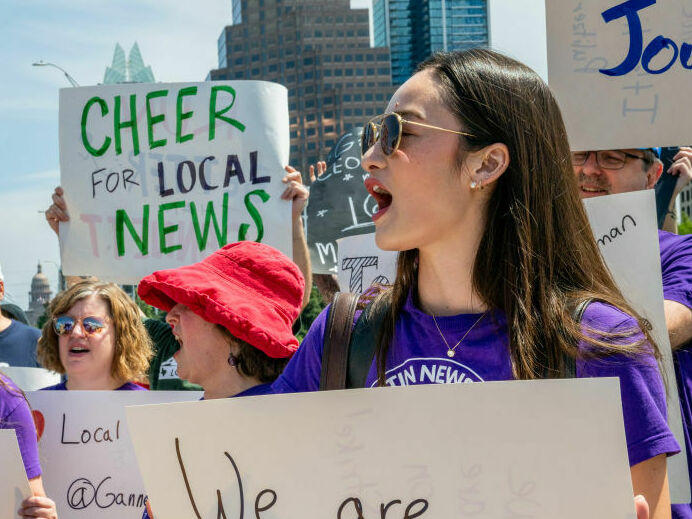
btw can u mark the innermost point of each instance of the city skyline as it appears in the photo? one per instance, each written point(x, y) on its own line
point(177, 39)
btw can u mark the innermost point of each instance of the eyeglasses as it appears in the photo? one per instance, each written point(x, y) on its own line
point(64, 325)
point(606, 159)
point(387, 128)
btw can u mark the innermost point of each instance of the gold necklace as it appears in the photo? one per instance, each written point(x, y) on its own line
point(450, 350)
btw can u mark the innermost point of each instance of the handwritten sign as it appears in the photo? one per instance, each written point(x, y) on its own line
point(339, 205)
point(31, 379)
point(14, 487)
point(362, 263)
point(394, 452)
point(89, 466)
point(626, 230)
point(161, 175)
point(619, 70)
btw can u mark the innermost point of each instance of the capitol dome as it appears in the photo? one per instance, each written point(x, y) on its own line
point(40, 287)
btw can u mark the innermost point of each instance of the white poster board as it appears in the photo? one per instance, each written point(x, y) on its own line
point(14, 487)
point(625, 229)
point(361, 263)
point(493, 450)
point(89, 466)
point(620, 72)
point(31, 379)
point(160, 175)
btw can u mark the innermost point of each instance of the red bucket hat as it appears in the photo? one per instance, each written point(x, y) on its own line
point(251, 289)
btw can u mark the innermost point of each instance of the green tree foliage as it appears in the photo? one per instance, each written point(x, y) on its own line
point(44, 317)
point(148, 310)
point(685, 227)
point(310, 312)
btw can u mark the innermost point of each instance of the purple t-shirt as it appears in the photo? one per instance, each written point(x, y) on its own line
point(419, 356)
point(676, 270)
point(15, 414)
point(127, 386)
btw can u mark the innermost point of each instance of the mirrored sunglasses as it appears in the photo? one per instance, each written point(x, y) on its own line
point(64, 325)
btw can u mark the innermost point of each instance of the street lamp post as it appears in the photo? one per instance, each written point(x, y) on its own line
point(42, 63)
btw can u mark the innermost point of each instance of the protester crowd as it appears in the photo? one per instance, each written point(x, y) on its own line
point(477, 187)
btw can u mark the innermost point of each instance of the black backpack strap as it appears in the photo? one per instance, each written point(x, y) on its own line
point(569, 363)
point(364, 342)
point(337, 337)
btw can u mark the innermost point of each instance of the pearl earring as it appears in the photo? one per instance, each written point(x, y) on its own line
point(474, 185)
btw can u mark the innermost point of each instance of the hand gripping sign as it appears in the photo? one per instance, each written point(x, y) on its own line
point(161, 175)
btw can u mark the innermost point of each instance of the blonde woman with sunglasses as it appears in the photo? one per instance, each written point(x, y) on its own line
point(499, 277)
point(96, 337)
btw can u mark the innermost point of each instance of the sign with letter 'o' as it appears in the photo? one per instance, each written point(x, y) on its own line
point(621, 71)
point(88, 462)
point(339, 205)
point(541, 449)
point(160, 175)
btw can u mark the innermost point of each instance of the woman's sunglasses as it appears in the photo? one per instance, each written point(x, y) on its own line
point(387, 128)
point(64, 325)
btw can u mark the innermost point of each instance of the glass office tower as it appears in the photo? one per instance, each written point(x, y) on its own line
point(414, 29)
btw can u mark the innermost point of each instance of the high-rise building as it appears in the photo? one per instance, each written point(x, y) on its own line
point(414, 29)
point(131, 71)
point(321, 52)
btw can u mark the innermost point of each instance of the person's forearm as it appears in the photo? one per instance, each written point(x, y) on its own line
point(678, 322)
point(670, 223)
point(301, 257)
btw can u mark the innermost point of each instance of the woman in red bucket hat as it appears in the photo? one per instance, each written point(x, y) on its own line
point(232, 314)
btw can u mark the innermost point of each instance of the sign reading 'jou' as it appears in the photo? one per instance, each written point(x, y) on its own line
point(619, 71)
point(160, 175)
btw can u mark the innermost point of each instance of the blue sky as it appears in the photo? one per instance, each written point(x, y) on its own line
point(178, 40)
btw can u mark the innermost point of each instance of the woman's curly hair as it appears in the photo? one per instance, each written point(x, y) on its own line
point(133, 348)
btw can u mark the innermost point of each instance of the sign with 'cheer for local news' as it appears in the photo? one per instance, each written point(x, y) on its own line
point(161, 175)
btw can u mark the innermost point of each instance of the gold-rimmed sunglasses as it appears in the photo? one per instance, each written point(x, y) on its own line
point(387, 128)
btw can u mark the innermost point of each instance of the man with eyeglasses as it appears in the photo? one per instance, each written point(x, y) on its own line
point(607, 172)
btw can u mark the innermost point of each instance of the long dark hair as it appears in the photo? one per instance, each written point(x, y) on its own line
point(537, 258)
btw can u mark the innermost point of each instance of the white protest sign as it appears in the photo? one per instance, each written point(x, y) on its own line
point(31, 379)
point(14, 487)
point(89, 465)
point(625, 228)
point(493, 450)
point(361, 263)
point(161, 175)
point(620, 70)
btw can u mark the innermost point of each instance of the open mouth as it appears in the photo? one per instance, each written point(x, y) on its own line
point(78, 350)
point(593, 190)
point(380, 194)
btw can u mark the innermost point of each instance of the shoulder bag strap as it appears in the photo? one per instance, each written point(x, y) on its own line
point(364, 343)
point(337, 337)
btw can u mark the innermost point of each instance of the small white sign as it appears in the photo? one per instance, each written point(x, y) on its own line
point(31, 379)
point(14, 487)
point(620, 71)
point(161, 175)
point(493, 450)
point(89, 466)
point(361, 263)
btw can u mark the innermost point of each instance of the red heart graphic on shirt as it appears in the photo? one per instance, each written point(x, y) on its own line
point(39, 422)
